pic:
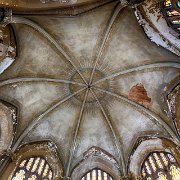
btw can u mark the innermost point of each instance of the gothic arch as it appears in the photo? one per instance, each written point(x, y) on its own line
point(145, 146)
point(159, 165)
point(96, 158)
point(172, 100)
point(45, 150)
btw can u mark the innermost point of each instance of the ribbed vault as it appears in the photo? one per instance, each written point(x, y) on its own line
point(72, 79)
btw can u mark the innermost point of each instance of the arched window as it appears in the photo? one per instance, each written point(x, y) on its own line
point(34, 161)
point(33, 168)
point(160, 166)
point(172, 13)
point(97, 173)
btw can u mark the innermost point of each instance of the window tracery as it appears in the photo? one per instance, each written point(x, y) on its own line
point(97, 173)
point(34, 161)
point(33, 168)
point(154, 158)
point(161, 166)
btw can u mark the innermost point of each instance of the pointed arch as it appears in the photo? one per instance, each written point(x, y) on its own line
point(98, 163)
point(35, 160)
point(172, 99)
point(144, 148)
point(97, 173)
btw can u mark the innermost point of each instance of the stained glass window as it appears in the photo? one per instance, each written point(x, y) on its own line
point(33, 168)
point(167, 3)
point(171, 12)
point(176, 21)
point(160, 166)
point(97, 174)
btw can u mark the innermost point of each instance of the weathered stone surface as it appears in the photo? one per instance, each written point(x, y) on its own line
point(7, 119)
point(139, 94)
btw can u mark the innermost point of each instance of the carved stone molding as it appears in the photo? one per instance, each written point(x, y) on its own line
point(96, 157)
point(45, 149)
point(172, 98)
point(7, 46)
point(8, 120)
point(143, 147)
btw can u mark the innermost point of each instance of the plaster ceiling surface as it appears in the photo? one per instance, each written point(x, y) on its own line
point(73, 88)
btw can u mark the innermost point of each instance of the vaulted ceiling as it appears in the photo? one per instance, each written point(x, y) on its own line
point(91, 80)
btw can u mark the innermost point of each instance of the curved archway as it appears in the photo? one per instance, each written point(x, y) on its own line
point(98, 163)
point(172, 99)
point(142, 151)
point(37, 159)
point(97, 173)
